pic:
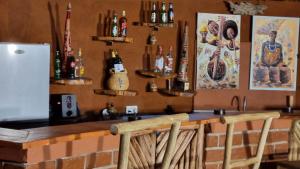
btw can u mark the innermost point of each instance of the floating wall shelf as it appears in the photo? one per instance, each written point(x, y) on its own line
point(76, 81)
point(174, 92)
point(152, 74)
point(110, 39)
point(116, 92)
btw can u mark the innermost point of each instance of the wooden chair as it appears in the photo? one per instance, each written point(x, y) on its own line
point(230, 121)
point(127, 128)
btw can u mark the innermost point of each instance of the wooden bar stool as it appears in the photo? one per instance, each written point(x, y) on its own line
point(230, 121)
point(294, 149)
point(127, 129)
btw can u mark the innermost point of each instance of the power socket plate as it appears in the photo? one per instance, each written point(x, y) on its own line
point(132, 109)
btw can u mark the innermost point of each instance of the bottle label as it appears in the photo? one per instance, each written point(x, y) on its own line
point(159, 64)
point(169, 65)
point(119, 67)
point(164, 17)
point(171, 16)
point(114, 32)
point(153, 17)
point(124, 29)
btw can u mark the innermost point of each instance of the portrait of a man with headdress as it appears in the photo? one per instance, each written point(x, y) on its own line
point(274, 51)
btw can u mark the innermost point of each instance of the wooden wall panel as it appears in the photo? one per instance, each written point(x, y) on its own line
point(29, 21)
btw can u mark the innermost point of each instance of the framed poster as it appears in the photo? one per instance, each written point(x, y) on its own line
point(218, 51)
point(274, 53)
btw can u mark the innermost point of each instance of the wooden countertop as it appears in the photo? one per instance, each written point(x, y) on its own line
point(27, 138)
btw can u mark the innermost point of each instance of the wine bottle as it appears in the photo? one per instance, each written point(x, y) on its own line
point(71, 66)
point(163, 13)
point(154, 18)
point(171, 13)
point(117, 62)
point(123, 25)
point(57, 67)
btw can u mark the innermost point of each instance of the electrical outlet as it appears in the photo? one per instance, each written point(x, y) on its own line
point(131, 109)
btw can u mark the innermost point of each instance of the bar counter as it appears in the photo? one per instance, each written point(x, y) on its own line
point(30, 145)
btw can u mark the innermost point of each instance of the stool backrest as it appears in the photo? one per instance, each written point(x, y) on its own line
point(230, 121)
point(127, 128)
point(294, 153)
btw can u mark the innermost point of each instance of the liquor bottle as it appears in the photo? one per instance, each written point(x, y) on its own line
point(79, 66)
point(123, 25)
point(57, 67)
point(114, 26)
point(71, 66)
point(159, 60)
point(171, 13)
point(117, 63)
point(154, 18)
point(169, 62)
point(163, 13)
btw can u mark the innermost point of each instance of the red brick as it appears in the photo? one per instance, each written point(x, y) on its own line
point(237, 140)
point(281, 123)
point(269, 149)
point(115, 157)
point(241, 153)
point(12, 166)
point(71, 163)
point(214, 155)
point(42, 165)
point(211, 141)
point(281, 148)
point(277, 136)
point(90, 161)
point(103, 159)
point(251, 138)
point(212, 166)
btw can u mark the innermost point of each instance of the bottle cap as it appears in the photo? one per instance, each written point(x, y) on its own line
point(79, 52)
point(123, 13)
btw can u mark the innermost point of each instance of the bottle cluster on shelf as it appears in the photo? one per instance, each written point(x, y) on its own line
point(119, 26)
point(164, 63)
point(162, 15)
point(74, 66)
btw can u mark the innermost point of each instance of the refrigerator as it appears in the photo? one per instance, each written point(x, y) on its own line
point(24, 81)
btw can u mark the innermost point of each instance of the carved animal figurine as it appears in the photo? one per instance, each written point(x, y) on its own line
point(246, 8)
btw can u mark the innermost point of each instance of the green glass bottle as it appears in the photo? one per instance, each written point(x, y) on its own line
point(114, 26)
point(57, 66)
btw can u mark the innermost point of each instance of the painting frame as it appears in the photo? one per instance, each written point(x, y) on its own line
point(217, 48)
point(274, 50)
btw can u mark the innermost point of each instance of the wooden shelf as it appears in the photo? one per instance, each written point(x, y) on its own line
point(156, 75)
point(174, 92)
point(76, 81)
point(168, 25)
point(113, 39)
point(116, 92)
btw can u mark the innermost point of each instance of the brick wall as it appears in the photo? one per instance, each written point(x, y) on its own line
point(102, 160)
point(246, 136)
point(245, 140)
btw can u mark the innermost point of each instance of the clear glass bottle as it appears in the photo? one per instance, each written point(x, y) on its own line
point(169, 62)
point(79, 66)
point(123, 25)
point(159, 60)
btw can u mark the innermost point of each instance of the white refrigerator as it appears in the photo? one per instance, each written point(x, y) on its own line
point(24, 81)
